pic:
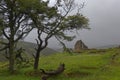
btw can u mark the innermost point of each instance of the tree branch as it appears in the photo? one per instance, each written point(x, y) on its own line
point(4, 43)
point(5, 34)
point(4, 48)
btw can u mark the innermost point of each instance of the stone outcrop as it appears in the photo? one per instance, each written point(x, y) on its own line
point(79, 45)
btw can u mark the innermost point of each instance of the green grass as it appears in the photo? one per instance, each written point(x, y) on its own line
point(84, 66)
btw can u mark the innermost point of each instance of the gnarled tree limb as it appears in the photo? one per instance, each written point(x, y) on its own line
point(48, 74)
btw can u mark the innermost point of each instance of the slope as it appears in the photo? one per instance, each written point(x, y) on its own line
point(29, 49)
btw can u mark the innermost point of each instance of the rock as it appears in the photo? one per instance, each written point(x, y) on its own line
point(79, 45)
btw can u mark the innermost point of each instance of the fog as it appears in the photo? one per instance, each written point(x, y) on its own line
point(104, 16)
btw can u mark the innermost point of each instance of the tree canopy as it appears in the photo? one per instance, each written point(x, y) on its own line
point(19, 17)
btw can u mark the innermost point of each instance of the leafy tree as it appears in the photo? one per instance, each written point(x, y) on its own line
point(14, 24)
point(53, 22)
point(19, 17)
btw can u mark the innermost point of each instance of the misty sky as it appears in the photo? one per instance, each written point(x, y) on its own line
point(104, 16)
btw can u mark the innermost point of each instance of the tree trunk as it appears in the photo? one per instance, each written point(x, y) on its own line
point(11, 57)
point(38, 51)
point(36, 62)
point(11, 63)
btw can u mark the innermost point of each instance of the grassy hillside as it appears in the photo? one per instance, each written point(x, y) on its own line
point(29, 49)
point(87, 65)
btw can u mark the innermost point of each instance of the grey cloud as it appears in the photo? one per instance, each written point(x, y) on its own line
point(104, 16)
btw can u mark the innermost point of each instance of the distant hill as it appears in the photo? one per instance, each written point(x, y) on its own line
point(29, 49)
point(108, 46)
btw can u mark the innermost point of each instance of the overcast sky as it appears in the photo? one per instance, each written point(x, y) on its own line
point(104, 16)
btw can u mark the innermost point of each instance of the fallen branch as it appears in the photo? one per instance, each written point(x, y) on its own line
point(47, 74)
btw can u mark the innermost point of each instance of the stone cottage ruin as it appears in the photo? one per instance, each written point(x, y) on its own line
point(79, 45)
